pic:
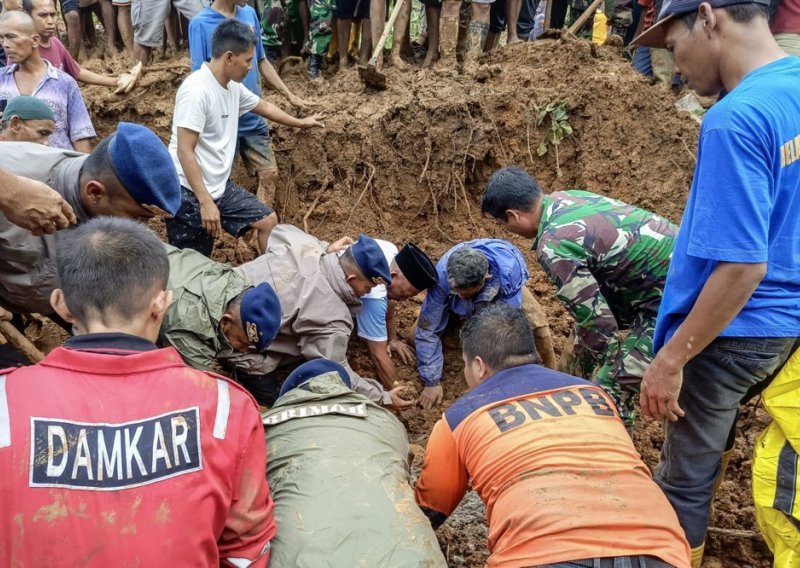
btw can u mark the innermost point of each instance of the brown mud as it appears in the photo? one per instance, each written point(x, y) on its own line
point(409, 163)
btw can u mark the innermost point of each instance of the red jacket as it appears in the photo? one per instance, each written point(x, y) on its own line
point(115, 453)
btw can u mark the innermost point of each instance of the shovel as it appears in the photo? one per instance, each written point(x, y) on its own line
point(370, 75)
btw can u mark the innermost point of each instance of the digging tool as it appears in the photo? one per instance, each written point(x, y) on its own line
point(370, 75)
point(588, 13)
point(20, 342)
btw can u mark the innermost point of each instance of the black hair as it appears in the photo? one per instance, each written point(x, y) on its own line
point(110, 266)
point(466, 268)
point(500, 335)
point(233, 36)
point(509, 188)
point(739, 13)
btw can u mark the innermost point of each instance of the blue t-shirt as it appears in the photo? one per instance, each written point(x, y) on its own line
point(744, 205)
point(201, 28)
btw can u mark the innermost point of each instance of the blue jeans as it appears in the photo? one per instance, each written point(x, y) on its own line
point(642, 62)
point(727, 373)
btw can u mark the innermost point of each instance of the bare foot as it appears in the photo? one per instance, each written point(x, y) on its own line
point(398, 63)
point(430, 58)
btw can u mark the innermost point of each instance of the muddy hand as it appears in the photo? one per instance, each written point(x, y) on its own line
point(340, 245)
point(294, 100)
point(431, 396)
point(399, 403)
point(35, 206)
point(404, 351)
point(128, 80)
point(315, 120)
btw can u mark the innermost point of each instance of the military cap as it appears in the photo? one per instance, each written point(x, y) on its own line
point(261, 315)
point(415, 265)
point(370, 260)
point(27, 108)
point(654, 35)
point(311, 370)
point(144, 167)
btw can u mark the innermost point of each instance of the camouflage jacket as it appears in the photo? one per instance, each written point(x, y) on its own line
point(608, 260)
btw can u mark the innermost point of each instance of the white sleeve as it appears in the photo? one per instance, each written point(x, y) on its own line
point(247, 100)
point(191, 108)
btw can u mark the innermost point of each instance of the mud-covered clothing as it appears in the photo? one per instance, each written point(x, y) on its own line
point(316, 308)
point(272, 23)
point(609, 262)
point(508, 274)
point(621, 15)
point(559, 475)
point(114, 452)
point(202, 290)
point(319, 26)
point(339, 473)
point(28, 263)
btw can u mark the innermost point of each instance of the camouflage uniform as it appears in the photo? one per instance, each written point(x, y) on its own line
point(320, 31)
point(272, 23)
point(609, 261)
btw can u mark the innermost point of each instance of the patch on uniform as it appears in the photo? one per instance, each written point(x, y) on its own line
point(110, 457)
point(357, 410)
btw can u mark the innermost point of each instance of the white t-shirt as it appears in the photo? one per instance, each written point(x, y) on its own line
point(205, 106)
point(389, 251)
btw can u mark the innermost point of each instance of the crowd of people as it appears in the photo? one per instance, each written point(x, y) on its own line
point(206, 414)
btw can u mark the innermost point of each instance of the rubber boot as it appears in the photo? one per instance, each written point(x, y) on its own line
point(724, 461)
point(476, 37)
point(448, 37)
point(697, 556)
point(314, 66)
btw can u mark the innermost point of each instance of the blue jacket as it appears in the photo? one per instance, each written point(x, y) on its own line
point(508, 274)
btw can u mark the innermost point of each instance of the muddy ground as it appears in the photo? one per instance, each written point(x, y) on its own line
point(409, 163)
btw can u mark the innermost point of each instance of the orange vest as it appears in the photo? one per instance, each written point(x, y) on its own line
point(556, 468)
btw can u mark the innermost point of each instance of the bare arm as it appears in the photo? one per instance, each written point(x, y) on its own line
point(274, 114)
point(33, 205)
point(209, 214)
point(92, 78)
point(383, 363)
point(84, 145)
point(274, 80)
point(724, 295)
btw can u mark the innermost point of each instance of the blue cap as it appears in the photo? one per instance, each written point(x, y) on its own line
point(28, 108)
point(261, 315)
point(144, 168)
point(654, 35)
point(311, 370)
point(370, 259)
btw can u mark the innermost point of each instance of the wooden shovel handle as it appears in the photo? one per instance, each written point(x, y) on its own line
point(585, 16)
point(20, 342)
point(389, 25)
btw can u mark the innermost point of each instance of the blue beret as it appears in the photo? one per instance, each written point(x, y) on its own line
point(311, 370)
point(144, 167)
point(370, 259)
point(261, 315)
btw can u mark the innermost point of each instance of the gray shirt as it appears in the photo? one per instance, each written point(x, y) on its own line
point(27, 263)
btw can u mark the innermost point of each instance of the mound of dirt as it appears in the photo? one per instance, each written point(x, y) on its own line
point(410, 163)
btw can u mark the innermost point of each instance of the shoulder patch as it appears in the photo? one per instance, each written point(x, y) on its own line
point(111, 457)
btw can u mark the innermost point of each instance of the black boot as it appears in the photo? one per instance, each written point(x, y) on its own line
point(314, 66)
point(272, 52)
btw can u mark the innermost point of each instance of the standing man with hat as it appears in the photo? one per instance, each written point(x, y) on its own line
point(27, 119)
point(730, 314)
point(129, 174)
point(318, 291)
point(135, 455)
point(412, 272)
point(340, 463)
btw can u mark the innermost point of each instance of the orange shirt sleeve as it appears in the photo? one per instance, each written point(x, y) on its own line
point(444, 479)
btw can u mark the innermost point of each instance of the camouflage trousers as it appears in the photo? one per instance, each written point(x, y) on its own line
point(273, 22)
point(320, 29)
point(620, 371)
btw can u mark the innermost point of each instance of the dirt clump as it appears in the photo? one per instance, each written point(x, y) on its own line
point(410, 163)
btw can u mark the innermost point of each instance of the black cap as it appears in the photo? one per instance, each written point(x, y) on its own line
point(416, 267)
point(654, 35)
